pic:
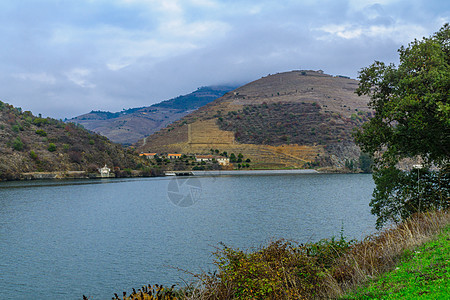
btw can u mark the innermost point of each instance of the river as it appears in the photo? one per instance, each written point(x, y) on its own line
point(63, 239)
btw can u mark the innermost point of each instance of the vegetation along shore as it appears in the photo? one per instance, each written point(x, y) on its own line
point(382, 266)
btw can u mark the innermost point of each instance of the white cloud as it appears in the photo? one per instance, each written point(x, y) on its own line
point(255, 10)
point(402, 33)
point(170, 7)
point(137, 52)
point(360, 4)
point(37, 77)
point(205, 3)
point(342, 31)
point(116, 66)
point(196, 31)
point(78, 76)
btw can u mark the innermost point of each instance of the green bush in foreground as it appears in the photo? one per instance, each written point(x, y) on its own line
point(282, 270)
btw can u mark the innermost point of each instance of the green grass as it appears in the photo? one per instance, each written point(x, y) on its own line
point(423, 273)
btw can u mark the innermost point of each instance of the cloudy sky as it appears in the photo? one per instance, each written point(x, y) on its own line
point(63, 58)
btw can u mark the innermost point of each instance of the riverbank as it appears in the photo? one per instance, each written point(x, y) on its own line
point(138, 173)
point(334, 268)
point(254, 172)
point(61, 175)
point(58, 175)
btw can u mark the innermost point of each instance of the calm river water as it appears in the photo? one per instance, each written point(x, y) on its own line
point(63, 239)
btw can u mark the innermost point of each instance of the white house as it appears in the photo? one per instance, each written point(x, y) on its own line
point(200, 158)
point(223, 161)
point(104, 172)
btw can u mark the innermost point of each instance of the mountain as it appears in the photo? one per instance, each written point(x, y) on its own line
point(128, 126)
point(296, 119)
point(35, 144)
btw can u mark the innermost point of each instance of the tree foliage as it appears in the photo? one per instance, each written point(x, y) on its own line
point(17, 144)
point(411, 120)
point(365, 162)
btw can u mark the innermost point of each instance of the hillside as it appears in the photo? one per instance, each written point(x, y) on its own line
point(288, 120)
point(35, 144)
point(128, 126)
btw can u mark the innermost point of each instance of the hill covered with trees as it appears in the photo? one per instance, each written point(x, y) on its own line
point(31, 143)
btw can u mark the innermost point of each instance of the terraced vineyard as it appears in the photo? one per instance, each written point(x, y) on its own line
point(286, 123)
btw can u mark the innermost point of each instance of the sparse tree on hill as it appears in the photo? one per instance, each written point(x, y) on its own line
point(18, 144)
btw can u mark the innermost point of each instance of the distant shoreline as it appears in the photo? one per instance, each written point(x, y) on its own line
point(59, 175)
point(254, 172)
point(62, 175)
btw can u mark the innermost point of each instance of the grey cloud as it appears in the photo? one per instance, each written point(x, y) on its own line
point(66, 58)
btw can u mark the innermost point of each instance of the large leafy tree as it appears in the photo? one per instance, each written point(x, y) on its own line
point(411, 121)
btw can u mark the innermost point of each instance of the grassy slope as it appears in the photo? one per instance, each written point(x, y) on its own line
point(423, 273)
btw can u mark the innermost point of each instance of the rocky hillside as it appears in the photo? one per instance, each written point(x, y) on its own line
point(295, 119)
point(35, 144)
point(128, 126)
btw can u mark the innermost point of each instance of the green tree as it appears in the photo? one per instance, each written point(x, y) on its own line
point(15, 128)
point(41, 132)
point(33, 155)
point(365, 162)
point(51, 147)
point(349, 164)
point(411, 120)
point(17, 144)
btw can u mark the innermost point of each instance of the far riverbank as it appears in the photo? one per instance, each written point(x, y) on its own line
point(58, 175)
point(254, 172)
